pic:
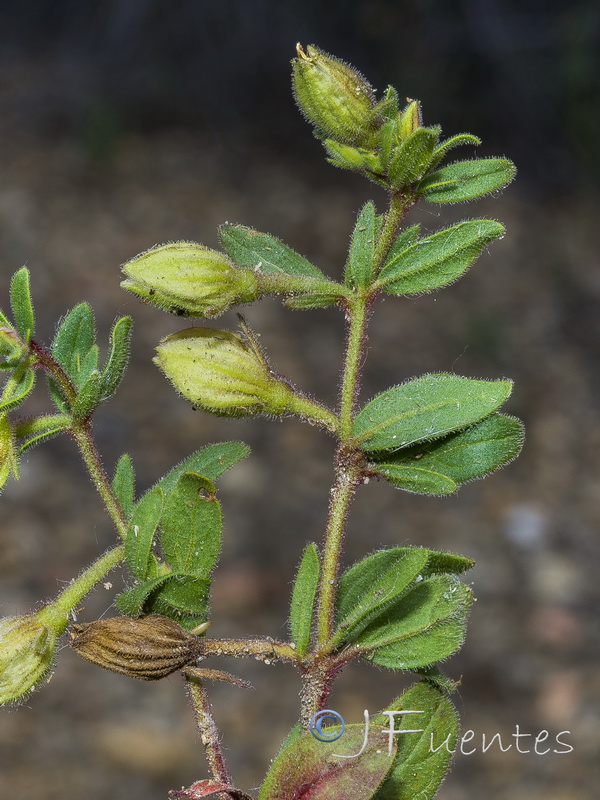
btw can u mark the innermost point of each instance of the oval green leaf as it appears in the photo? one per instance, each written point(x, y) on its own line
point(263, 252)
point(191, 526)
point(426, 625)
point(303, 599)
point(466, 180)
point(426, 408)
point(366, 591)
point(464, 456)
point(357, 271)
point(440, 259)
point(423, 758)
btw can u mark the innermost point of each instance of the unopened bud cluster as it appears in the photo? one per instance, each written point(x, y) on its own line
point(147, 648)
point(359, 132)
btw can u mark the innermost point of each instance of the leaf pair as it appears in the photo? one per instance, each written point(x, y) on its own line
point(403, 608)
point(437, 431)
point(75, 349)
point(422, 746)
point(182, 510)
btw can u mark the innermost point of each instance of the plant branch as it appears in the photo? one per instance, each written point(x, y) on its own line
point(209, 733)
point(59, 610)
point(83, 435)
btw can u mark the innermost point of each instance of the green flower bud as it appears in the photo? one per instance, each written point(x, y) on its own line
point(335, 98)
point(409, 119)
point(189, 279)
point(27, 650)
point(219, 372)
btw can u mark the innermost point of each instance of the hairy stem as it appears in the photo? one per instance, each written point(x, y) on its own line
point(209, 733)
point(341, 497)
point(347, 464)
point(83, 435)
point(60, 609)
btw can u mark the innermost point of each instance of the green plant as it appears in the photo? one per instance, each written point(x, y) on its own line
point(403, 608)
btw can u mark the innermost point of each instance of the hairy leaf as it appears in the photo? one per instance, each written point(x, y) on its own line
point(426, 408)
point(123, 484)
point(118, 357)
point(411, 158)
point(362, 247)
point(423, 758)
point(466, 180)
point(440, 259)
point(426, 625)
point(263, 252)
point(141, 531)
point(366, 591)
point(20, 301)
point(463, 456)
point(17, 388)
point(191, 526)
point(303, 599)
point(326, 770)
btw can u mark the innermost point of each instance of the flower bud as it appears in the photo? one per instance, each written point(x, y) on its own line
point(147, 648)
point(409, 119)
point(334, 97)
point(189, 279)
point(27, 649)
point(219, 372)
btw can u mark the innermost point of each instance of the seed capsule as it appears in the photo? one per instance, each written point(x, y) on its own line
point(334, 97)
point(189, 279)
point(147, 648)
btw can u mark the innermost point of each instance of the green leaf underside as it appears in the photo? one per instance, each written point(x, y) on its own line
point(402, 242)
point(426, 408)
point(416, 479)
point(131, 602)
point(440, 259)
point(191, 526)
point(88, 397)
point(9, 462)
point(362, 248)
point(118, 357)
point(444, 148)
point(466, 180)
point(312, 300)
point(366, 592)
point(123, 484)
point(20, 301)
point(140, 534)
point(32, 432)
point(463, 456)
point(73, 345)
point(261, 251)
point(212, 461)
point(425, 625)
point(182, 595)
point(303, 599)
point(21, 383)
point(309, 768)
point(422, 759)
point(412, 157)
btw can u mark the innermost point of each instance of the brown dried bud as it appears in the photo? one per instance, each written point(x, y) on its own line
point(147, 648)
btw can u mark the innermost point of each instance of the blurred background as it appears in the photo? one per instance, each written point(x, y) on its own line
point(125, 124)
